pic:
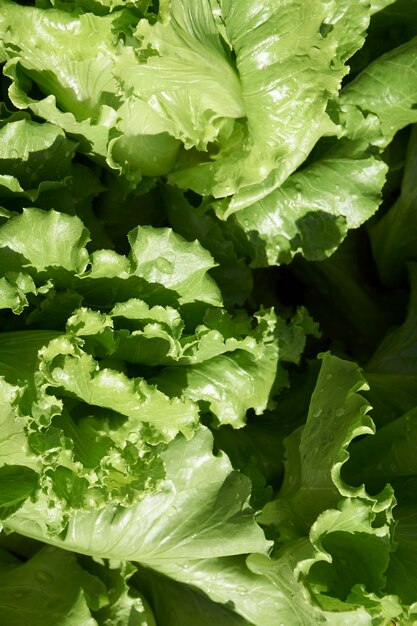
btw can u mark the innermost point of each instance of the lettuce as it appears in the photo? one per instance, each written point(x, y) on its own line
point(208, 295)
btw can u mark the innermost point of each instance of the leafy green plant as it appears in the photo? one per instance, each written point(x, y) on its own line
point(208, 295)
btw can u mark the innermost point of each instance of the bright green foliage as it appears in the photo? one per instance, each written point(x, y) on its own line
point(208, 301)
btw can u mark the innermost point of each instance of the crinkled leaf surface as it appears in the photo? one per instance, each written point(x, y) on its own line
point(199, 511)
point(277, 140)
point(311, 212)
point(315, 453)
point(178, 76)
point(393, 104)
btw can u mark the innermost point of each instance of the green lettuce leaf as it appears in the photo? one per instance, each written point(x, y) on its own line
point(120, 603)
point(393, 236)
point(161, 256)
point(234, 590)
point(280, 571)
point(185, 82)
point(186, 66)
point(65, 235)
point(391, 372)
point(33, 153)
point(316, 452)
point(178, 604)
point(309, 69)
point(233, 382)
point(64, 366)
point(15, 288)
point(311, 212)
point(349, 531)
point(49, 586)
point(389, 456)
point(394, 105)
point(199, 511)
point(232, 274)
point(161, 263)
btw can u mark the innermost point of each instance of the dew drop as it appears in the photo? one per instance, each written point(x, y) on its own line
point(164, 266)
point(340, 412)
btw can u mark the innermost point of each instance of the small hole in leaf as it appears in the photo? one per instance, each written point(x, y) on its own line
point(325, 29)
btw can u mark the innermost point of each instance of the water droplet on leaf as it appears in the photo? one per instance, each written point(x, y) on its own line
point(164, 266)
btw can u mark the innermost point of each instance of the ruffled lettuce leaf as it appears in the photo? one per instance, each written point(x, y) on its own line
point(200, 510)
point(232, 274)
point(343, 564)
point(161, 256)
point(33, 156)
point(80, 89)
point(160, 263)
point(235, 590)
point(260, 589)
point(150, 114)
point(184, 82)
point(93, 437)
point(389, 457)
point(317, 451)
point(277, 69)
point(311, 212)
point(393, 105)
point(341, 186)
point(144, 331)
